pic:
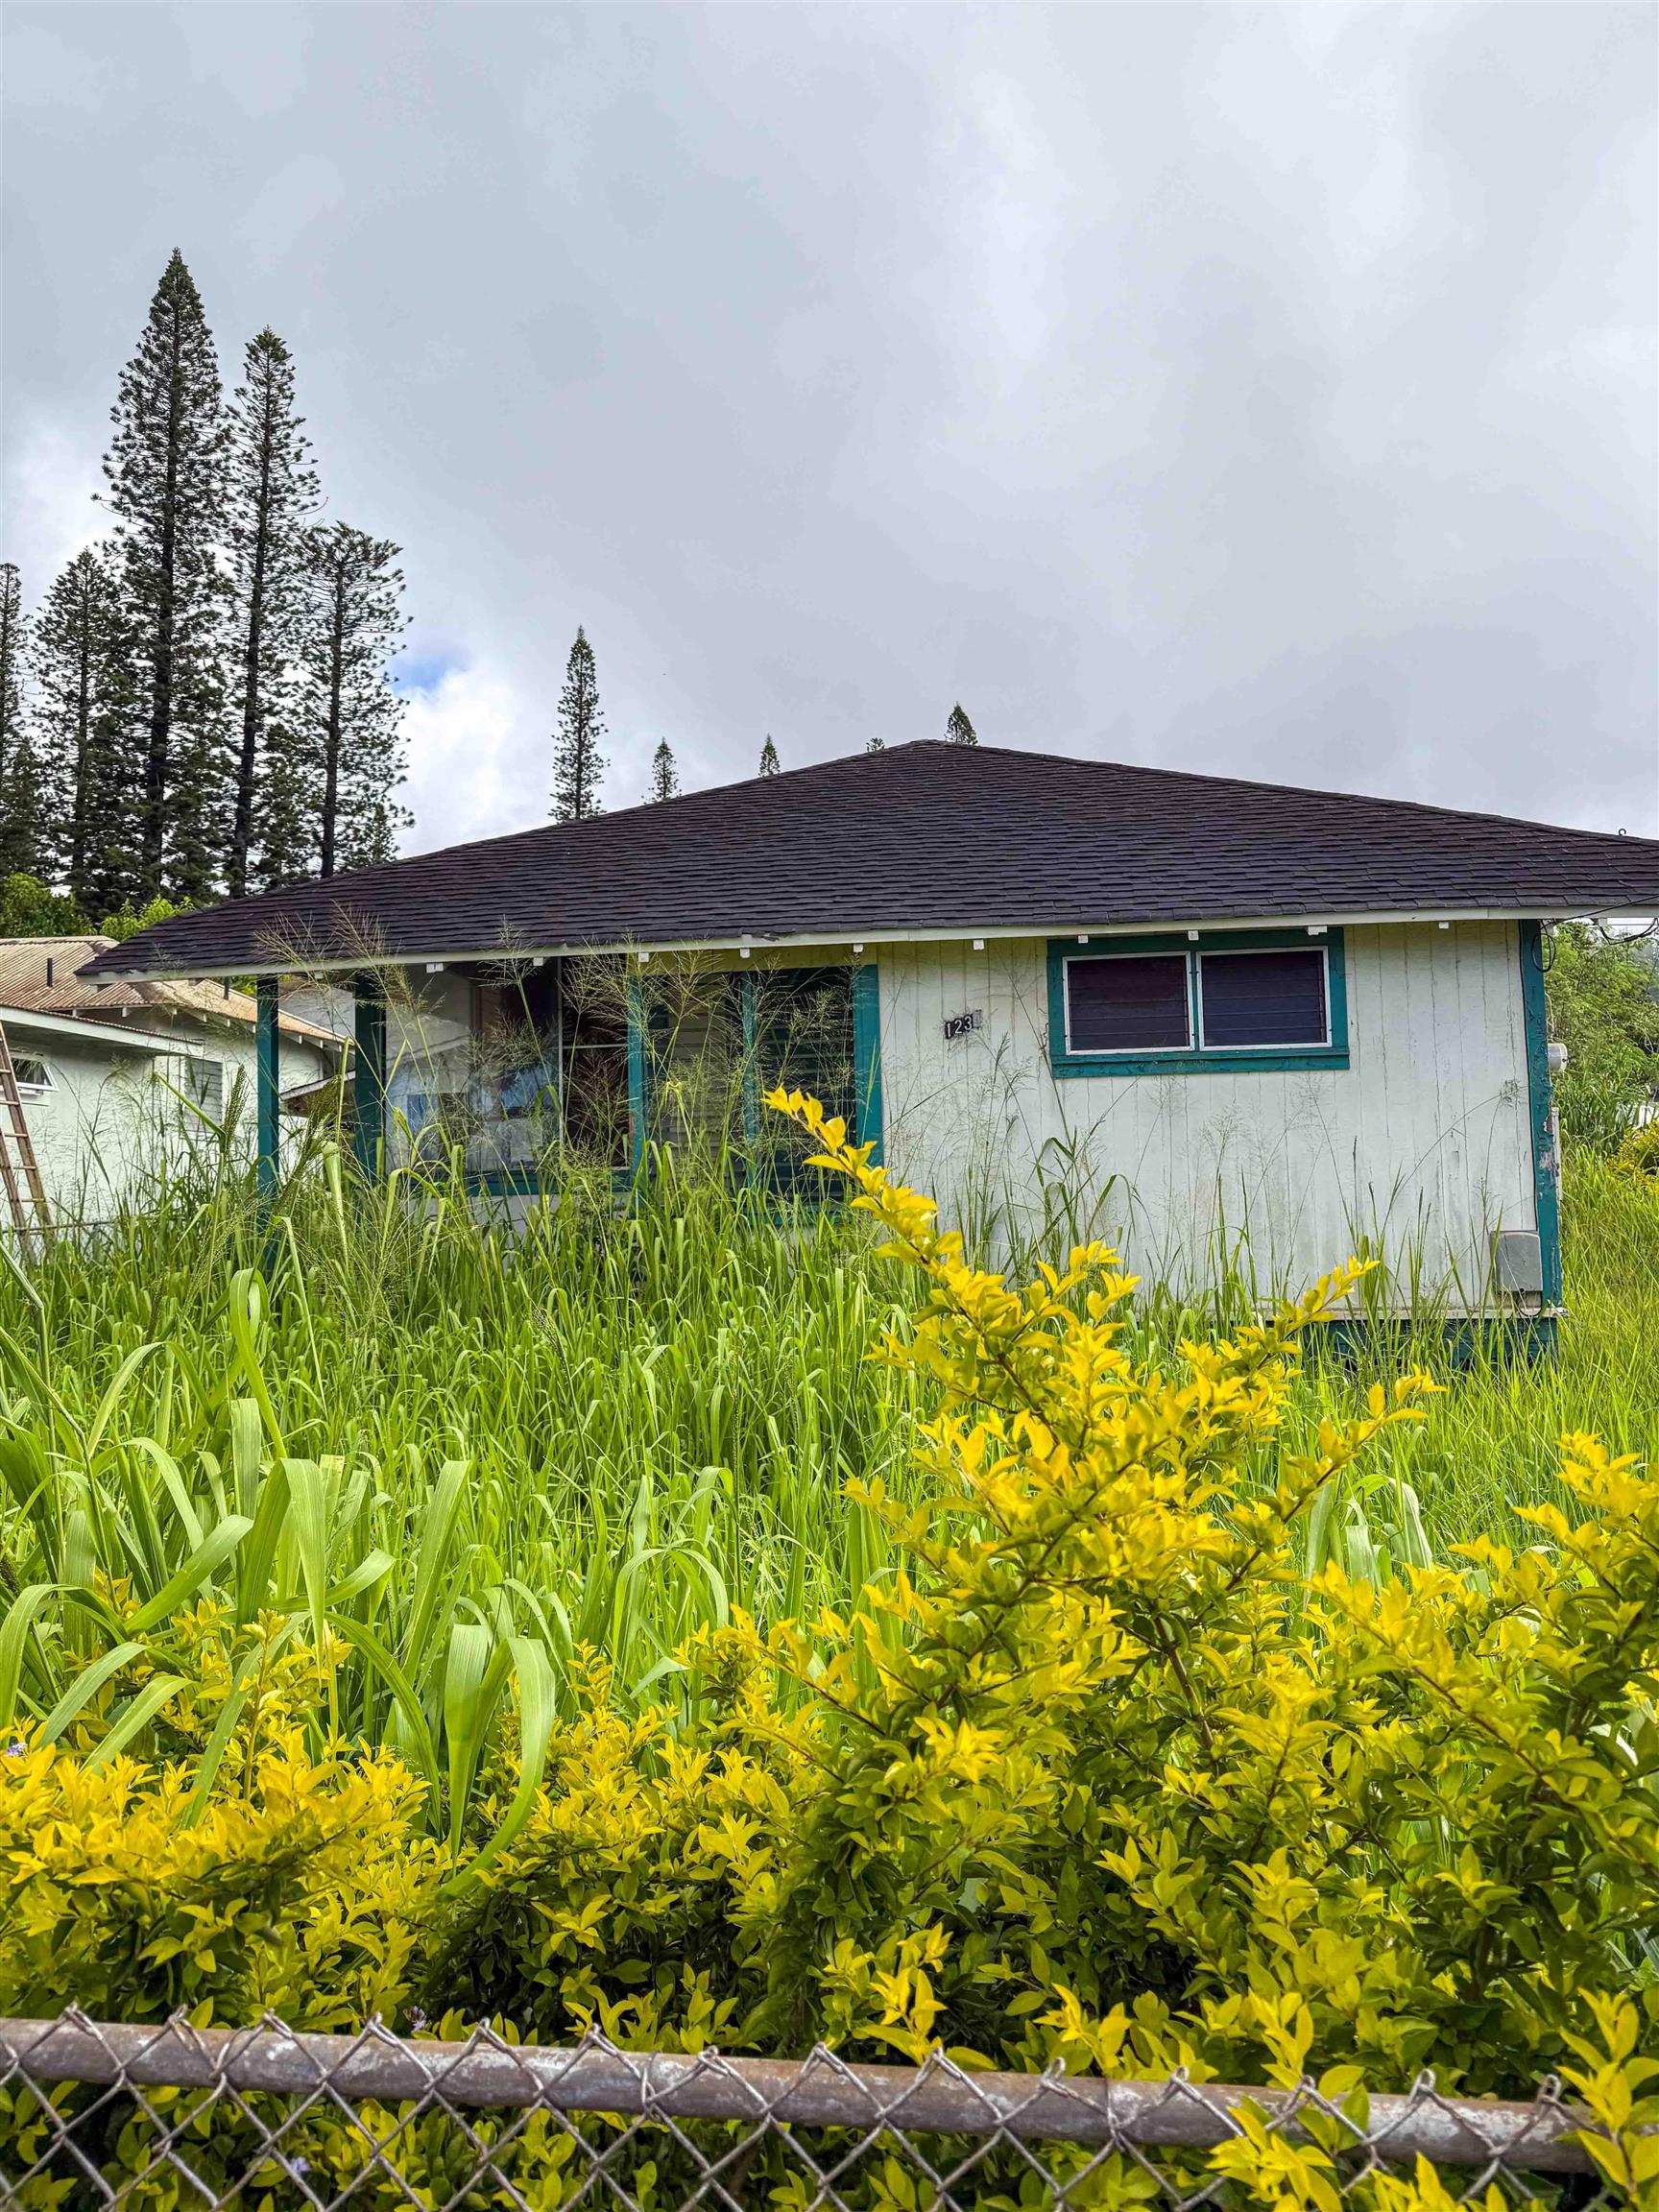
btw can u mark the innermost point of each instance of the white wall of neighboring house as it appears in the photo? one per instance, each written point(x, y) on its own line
point(110, 1113)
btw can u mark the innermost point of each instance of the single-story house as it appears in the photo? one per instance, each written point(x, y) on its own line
point(119, 1076)
point(1221, 1023)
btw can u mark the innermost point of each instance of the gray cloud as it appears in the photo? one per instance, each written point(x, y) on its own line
point(1262, 389)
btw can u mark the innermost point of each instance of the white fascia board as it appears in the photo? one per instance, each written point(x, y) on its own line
point(18, 1018)
point(1333, 918)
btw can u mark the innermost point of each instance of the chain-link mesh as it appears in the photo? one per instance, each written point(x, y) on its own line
point(268, 2118)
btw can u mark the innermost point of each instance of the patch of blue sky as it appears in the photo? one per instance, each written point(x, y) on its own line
point(425, 671)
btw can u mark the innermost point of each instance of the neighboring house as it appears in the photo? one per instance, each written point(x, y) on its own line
point(121, 1077)
point(1223, 1023)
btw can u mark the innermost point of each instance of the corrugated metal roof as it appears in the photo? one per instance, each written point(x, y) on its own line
point(42, 976)
point(927, 836)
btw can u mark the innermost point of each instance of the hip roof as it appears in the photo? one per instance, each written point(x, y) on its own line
point(928, 837)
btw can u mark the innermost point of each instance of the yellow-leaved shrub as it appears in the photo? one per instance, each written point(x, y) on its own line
point(305, 1887)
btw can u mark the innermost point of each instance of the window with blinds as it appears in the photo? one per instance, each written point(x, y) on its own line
point(1275, 997)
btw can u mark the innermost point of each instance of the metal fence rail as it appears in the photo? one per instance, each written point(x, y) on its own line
point(172, 2115)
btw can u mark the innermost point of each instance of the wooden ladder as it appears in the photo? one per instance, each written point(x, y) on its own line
point(19, 1169)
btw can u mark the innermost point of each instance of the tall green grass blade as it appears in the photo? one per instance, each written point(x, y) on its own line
point(196, 1573)
point(15, 1633)
point(85, 1687)
point(132, 1719)
point(538, 1715)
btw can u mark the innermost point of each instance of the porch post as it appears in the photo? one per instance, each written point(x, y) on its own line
point(751, 1066)
point(867, 1059)
point(268, 1084)
point(368, 1082)
point(637, 1074)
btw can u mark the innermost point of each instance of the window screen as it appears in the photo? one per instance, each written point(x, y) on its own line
point(1262, 998)
point(203, 1085)
point(1130, 1005)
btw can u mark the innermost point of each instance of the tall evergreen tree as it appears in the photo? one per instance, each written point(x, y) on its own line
point(165, 470)
point(83, 717)
point(286, 803)
point(26, 834)
point(12, 651)
point(664, 776)
point(351, 755)
point(271, 489)
point(877, 745)
point(25, 838)
point(768, 757)
point(578, 764)
point(958, 729)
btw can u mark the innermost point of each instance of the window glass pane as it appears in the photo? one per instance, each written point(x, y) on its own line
point(1262, 998)
point(205, 1086)
point(1128, 1005)
point(32, 1075)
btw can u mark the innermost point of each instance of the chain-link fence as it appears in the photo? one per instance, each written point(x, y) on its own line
point(267, 2118)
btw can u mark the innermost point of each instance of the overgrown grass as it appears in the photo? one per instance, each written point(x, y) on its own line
point(1487, 1446)
point(464, 1453)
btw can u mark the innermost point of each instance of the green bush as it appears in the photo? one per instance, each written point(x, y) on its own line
point(1603, 999)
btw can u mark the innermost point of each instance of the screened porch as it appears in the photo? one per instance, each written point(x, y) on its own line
point(513, 1072)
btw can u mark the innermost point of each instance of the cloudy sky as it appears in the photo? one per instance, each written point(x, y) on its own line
point(1257, 389)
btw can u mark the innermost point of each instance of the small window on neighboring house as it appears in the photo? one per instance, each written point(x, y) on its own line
point(34, 1076)
point(204, 1084)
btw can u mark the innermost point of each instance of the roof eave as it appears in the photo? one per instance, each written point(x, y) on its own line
point(131, 1039)
point(441, 956)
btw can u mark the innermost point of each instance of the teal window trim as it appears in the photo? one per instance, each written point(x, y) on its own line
point(1545, 1191)
point(524, 1181)
point(866, 1058)
point(1195, 1059)
point(268, 1083)
point(368, 1082)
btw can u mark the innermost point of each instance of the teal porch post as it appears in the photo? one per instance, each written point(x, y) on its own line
point(866, 1058)
point(751, 1065)
point(268, 1084)
point(369, 1085)
point(636, 1019)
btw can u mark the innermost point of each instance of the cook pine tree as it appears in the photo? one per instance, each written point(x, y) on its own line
point(958, 729)
point(344, 763)
point(12, 651)
point(82, 721)
point(271, 491)
point(578, 764)
point(26, 830)
point(768, 759)
point(165, 471)
point(664, 776)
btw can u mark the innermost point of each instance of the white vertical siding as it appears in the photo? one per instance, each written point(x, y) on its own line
point(1418, 1151)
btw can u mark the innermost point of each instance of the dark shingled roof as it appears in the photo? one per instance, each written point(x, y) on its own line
point(925, 836)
